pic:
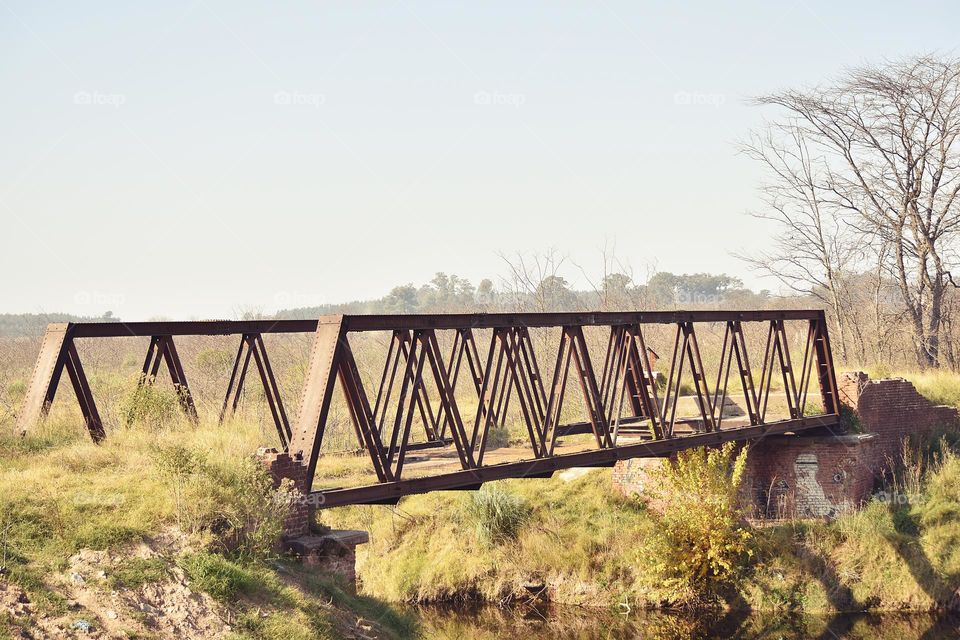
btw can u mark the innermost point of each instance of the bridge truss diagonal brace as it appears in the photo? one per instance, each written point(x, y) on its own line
point(163, 349)
point(58, 352)
point(252, 346)
point(402, 350)
point(628, 375)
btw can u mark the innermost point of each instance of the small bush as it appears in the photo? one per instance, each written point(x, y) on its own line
point(700, 540)
point(151, 406)
point(850, 420)
point(177, 464)
point(216, 575)
point(498, 437)
point(235, 502)
point(244, 510)
point(496, 515)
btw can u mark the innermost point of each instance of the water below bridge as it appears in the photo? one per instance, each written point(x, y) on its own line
point(573, 623)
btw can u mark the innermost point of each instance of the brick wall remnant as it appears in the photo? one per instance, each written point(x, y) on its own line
point(893, 409)
point(808, 476)
point(282, 466)
point(334, 551)
point(820, 475)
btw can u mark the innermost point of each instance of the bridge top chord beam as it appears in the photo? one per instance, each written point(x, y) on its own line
point(411, 322)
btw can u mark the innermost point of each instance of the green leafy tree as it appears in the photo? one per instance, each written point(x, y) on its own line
point(402, 299)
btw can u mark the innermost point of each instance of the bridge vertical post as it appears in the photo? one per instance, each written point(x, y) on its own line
point(318, 391)
point(46, 376)
point(58, 353)
point(826, 374)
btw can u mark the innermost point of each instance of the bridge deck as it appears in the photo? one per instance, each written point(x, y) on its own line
point(439, 471)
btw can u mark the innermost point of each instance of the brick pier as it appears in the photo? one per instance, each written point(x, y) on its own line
point(827, 474)
point(330, 551)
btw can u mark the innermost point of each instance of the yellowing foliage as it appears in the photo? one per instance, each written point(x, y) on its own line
point(700, 539)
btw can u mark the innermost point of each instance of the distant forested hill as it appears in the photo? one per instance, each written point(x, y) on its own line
point(34, 324)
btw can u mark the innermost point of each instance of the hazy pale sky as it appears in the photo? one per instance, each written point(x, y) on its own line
point(190, 159)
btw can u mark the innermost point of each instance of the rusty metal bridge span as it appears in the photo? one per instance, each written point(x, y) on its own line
point(626, 409)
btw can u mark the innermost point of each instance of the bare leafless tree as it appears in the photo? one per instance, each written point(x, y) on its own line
point(813, 246)
point(617, 289)
point(534, 282)
point(887, 134)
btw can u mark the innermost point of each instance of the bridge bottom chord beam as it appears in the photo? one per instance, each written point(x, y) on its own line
point(391, 492)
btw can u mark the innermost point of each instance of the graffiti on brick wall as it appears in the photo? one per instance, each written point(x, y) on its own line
point(811, 499)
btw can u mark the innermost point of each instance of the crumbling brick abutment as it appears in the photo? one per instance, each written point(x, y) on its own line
point(827, 474)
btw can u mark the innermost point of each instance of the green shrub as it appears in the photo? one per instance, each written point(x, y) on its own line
point(236, 502)
point(850, 420)
point(496, 515)
point(151, 406)
point(498, 437)
point(700, 540)
point(243, 509)
point(216, 575)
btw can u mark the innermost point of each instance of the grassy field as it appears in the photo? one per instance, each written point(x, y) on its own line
point(89, 534)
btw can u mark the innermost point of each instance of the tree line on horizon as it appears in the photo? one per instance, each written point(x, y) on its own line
point(449, 293)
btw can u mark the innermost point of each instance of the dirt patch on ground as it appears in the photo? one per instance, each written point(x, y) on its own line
point(98, 607)
point(110, 595)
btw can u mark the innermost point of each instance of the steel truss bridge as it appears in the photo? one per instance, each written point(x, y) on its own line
point(629, 412)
